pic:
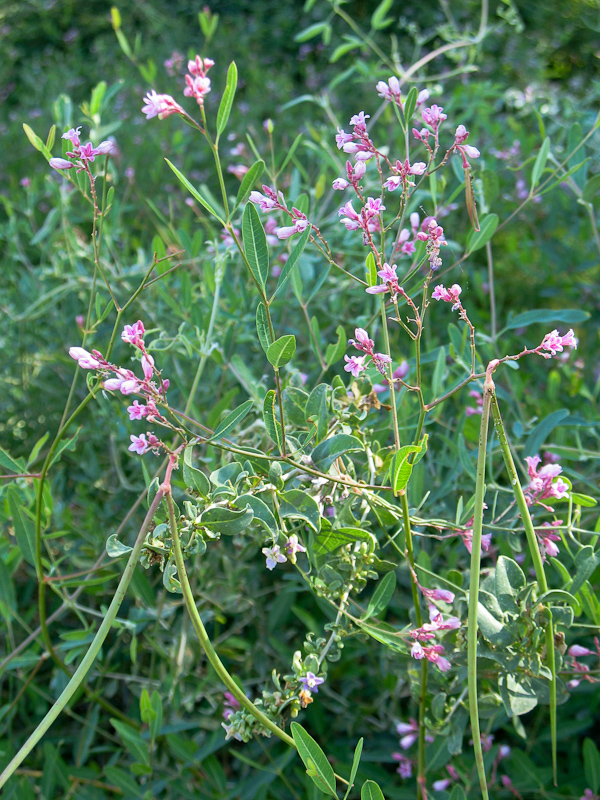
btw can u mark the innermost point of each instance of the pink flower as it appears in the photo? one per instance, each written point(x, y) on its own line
point(542, 485)
point(137, 411)
point(355, 365)
point(547, 538)
point(461, 134)
point(450, 295)
point(362, 342)
point(72, 136)
point(417, 651)
point(439, 786)
point(60, 163)
point(434, 116)
point(134, 334)
point(438, 594)
point(299, 226)
point(84, 359)
point(405, 765)
point(293, 546)
point(160, 105)
point(148, 366)
point(113, 384)
point(139, 444)
point(340, 183)
point(555, 343)
point(577, 651)
point(390, 90)
point(266, 202)
point(422, 97)
point(197, 86)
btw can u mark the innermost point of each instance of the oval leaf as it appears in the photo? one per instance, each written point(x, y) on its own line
point(227, 520)
point(296, 504)
point(326, 453)
point(281, 351)
point(192, 477)
point(371, 791)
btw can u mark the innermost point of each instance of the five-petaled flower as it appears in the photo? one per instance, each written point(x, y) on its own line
point(274, 556)
point(311, 682)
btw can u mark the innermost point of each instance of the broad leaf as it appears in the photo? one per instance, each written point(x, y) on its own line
point(371, 791)
point(192, 477)
point(315, 760)
point(296, 504)
point(281, 351)
point(227, 521)
point(326, 453)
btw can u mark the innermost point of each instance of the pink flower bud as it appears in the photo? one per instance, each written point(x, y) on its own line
point(576, 650)
point(147, 366)
point(60, 163)
point(105, 147)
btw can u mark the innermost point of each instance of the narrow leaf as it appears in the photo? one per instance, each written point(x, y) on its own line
point(291, 262)
point(315, 760)
point(540, 163)
point(355, 763)
point(481, 237)
point(231, 420)
point(248, 181)
point(271, 424)
point(382, 596)
point(255, 245)
point(23, 526)
point(262, 327)
point(227, 99)
point(194, 192)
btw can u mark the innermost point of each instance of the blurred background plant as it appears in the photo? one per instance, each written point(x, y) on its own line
point(525, 73)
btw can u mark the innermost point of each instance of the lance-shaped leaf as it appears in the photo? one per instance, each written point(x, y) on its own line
point(291, 262)
point(315, 760)
point(482, 235)
point(382, 596)
point(248, 181)
point(231, 420)
point(262, 327)
point(22, 525)
point(194, 192)
point(192, 477)
point(227, 99)
point(255, 246)
point(540, 163)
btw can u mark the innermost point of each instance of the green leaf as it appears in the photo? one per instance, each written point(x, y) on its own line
point(192, 477)
point(316, 406)
point(8, 462)
point(231, 420)
point(33, 138)
point(378, 21)
point(227, 521)
point(115, 548)
point(518, 698)
point(487, 228)
point(66, 444)
point(458, 793)
point(331, 538)
point(194, 192)
point(540, 163)
point(591, 765)
point(262, 512)
point(586, 562)
point(371, 791)
point(570, 316)
point(291, 262)
point(281, 351)
point(326, 453)
point(371, 270)
point(355, 763)
point(590, 190)
point(255, 245)
point(311, 32)
point(542, 430)
point(410, 104)
point(583, 500)
point(132, 740)
point(156, 722)
point(272, 425)
point(227, 99)
point(560, 596)
point(23, 526)
point(262, 327)
point(296, 504)
point(315, 760)
point(382, 596)
point(248, 181)
point(509, 580)
point(336, 351)
point(400, 468)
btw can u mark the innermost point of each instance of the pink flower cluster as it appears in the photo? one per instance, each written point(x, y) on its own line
point(409, 733)
point(83, 153)
point(197, 84)
point(466, 534)
point(390, 282)
point(357, 143)
point(464, 149)
point(471, 411)
point(368, 219)
point(555, 343)
point(547, 538)
point(274, 201)
point(356, 364)
point(543, 485)
point(152, 388)
point(451, 295)
point(354, 174)
point(391, 91)
point(433, 236)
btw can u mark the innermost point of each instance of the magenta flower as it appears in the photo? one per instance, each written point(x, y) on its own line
point(362, 341)
point(340, 184)
point(299, 226)
point(444, 595)
point(274, 556)
point(390, 90)
point(434, 116)
point(266, 202)
point(543, 485)
point(147, 366)
point(405, 765)
point(73, 136)
point(555, 343)
point(547, 539)
point(139, 444)
point(311, 682)
point(160, 105)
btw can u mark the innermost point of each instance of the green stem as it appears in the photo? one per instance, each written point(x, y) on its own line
point(488, 390)
point(538, 566)
point(204, 357)
point(205, 642)
point(94, 648)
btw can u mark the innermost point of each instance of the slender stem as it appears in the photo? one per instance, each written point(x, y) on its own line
point(538, 566)
point(93, 650)
point(205, 642)
point(204, 357)
point(386, 339)
point(488, 390)
point(488, 250)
